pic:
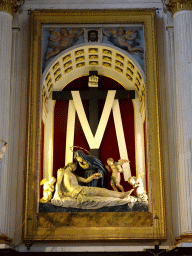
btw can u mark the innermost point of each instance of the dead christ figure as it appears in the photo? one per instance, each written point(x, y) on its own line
point(67, 179)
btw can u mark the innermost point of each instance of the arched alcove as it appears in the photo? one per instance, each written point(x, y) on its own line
point(64, 68)
point(77, 62)
point(107, 61)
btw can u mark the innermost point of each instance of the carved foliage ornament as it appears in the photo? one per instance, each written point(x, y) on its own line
point(10, 6)
point(178, 5)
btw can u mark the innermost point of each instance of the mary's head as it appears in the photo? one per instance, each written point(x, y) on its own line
point(79, 156)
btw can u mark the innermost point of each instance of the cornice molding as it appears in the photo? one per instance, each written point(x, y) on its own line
point(10, 6)
point(178, 5)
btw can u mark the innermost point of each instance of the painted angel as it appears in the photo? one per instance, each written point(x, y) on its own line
point(62, 40)
point(116, 169)
point(138, 186)
point(120, 37)
point(48, 189)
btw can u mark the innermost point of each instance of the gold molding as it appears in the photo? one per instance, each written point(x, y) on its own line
point(187, 238)
point(45, 227)
point(9, 6)
point(178, 5)
point(4, 239)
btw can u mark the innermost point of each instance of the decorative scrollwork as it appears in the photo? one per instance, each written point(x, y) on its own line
point(178, 5)
point(11, 6)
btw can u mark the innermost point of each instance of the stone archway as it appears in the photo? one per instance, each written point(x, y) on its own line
point(78, 61)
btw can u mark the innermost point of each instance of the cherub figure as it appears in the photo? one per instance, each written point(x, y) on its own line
point(138, 186)
point(62, 40)
point(116, 169)
point(119, 38)
point(48, 189)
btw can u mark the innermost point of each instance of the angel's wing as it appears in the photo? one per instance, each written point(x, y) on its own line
point(123, 161)
point(112, 31)
point(43, 182)
point(73, 31)
point(56, 34)
point(128, 33)
point(140, 175)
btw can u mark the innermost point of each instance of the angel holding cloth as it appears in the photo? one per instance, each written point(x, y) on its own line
point(116, 169)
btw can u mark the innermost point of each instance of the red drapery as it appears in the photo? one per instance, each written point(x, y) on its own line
point(109, 146)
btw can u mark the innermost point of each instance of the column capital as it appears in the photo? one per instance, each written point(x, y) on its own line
point(10, 6)
point(178, 5)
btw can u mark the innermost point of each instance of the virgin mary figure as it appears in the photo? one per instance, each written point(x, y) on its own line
point(88, 165)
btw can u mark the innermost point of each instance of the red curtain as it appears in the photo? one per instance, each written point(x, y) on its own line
point(109, 146)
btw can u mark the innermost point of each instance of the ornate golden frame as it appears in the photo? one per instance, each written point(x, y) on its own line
point(94, 226)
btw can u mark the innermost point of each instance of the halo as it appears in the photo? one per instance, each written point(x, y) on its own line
point(71, 148)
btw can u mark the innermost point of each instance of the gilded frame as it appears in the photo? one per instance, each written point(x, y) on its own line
point(140, 226)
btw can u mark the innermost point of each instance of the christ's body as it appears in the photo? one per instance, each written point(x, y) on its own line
point(70, 183)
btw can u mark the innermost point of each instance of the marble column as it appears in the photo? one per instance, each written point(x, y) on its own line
point(139, 140)
point(182, 16)
point(6, 17)
point(48, 142)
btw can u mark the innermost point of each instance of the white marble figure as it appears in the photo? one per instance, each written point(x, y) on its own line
point(70, 194)
point(48, 189)
point(137, 184)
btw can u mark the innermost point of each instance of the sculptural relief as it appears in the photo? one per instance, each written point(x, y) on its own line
point(48, 189)
point(70, 194)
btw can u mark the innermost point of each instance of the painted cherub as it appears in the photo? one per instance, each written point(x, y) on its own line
point(48, 189)
point(120, 37)
point(138, 186)
point(116, 169)
point(62, 40)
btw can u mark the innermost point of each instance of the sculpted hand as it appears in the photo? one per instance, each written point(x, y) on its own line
point(108, 168)
point(97, 175)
